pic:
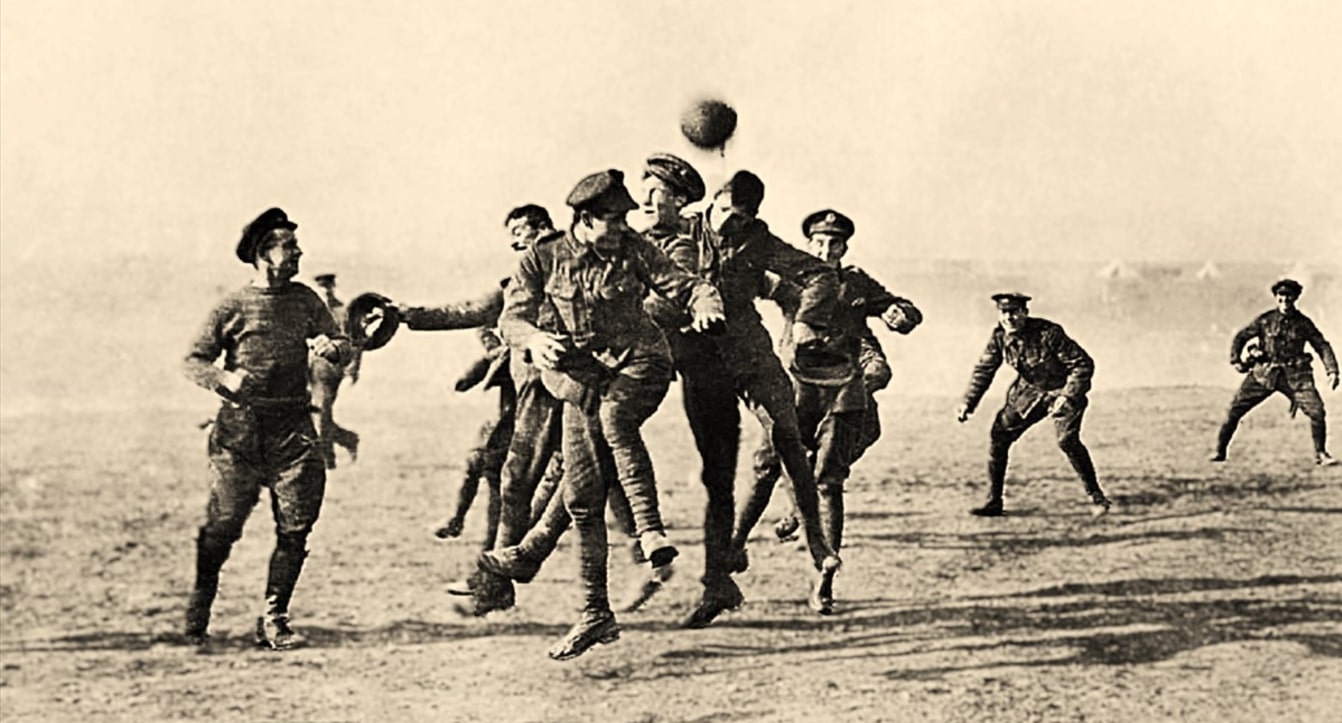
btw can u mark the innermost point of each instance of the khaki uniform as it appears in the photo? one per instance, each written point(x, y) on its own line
point(616, 373)
point(1284, 367)
point(740, 364)
point(1049, 364)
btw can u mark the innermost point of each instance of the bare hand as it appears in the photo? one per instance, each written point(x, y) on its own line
point(962, 414)
point(546, 349)
point(709, 323)
point(322, 346)
point(1332, 381)
point(234, 383)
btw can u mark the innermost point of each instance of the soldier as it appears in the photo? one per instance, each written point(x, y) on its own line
point(876, 375)
point(263, 435)
point(533, 444)
point(1281, 365)
point(1053, 377)
point(668, 185)
point(325, 379)
point(833, 396)
point(526, 225)
point(732, 249)
point(601, 354)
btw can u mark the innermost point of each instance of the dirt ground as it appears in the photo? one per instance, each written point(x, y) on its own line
point(1212, 593)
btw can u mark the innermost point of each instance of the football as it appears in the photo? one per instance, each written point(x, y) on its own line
point(709, 124)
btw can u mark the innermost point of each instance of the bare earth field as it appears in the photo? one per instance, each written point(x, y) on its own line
point(1212, 593)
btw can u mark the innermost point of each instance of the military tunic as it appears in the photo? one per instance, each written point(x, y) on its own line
point(613, 377)
point(1284, 367)
point(741, 364)
point(1049, 364)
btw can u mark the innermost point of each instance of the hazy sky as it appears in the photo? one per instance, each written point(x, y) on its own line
point(1085, 129)
point(138, 136)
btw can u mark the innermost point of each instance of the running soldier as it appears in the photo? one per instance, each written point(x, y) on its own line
point(325, 379)
point(600, 353)
point(1053, 377)
point(263, 435)
point(1281, 364)
point(833, 396)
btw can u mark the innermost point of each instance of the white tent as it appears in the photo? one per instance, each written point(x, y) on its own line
point(1119, 269)
point(1209, 272)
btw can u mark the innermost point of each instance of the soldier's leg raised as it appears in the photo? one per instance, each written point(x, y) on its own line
point(626, 405)
point(536, 436)
point(1251, 393)
point(715, 421)
point(771, 398)
point(585, 495)
point(714, 415)
point(324, 390)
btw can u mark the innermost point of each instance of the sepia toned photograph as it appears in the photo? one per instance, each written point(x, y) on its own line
point(676, 360)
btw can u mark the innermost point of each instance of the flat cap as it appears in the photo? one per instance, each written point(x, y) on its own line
point(257, 231)
point(1007, 300)
point(827, 221)
point(676, 173)
point(1289, 287)
point(325, 279)
point(603, 190)
point(746, 191)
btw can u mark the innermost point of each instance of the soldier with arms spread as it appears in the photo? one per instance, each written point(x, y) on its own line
point(1053, 377)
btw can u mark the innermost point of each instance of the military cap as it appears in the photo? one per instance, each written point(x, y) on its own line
point(1289, 287)
point(676, 173)
point(1008, 300)
point(325, 279)
point(746, 191)
point(604, 190)
point(827, 221)
point(371, 321)
point(257, 231)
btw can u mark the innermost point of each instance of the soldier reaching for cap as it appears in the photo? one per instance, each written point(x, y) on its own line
point(1281, 365)
point(601, 354)
point(526, 225)
point(325, 379)
point(263, 435)
point(1053, 377)
point(833, 398)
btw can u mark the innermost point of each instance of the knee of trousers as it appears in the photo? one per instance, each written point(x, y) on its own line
point(830, 488)
point(209, 539)
point(1071, 442)
point(295, 543)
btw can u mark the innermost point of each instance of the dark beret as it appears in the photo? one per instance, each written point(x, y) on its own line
point(676, 173)
point(746, 191)
point(257, 231)
point(827, 221)
point(603, 190)
point(1007, 300)
point(1289, 287)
